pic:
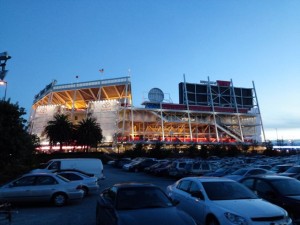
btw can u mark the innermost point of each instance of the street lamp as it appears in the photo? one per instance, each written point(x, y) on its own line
point(2, 82)
point(3, 59)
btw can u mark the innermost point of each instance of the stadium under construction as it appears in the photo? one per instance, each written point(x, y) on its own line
point(209, 112)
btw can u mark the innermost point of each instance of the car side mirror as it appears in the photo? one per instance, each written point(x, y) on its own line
point(197, 194)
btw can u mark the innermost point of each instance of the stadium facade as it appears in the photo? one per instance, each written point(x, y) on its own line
point(207, 113)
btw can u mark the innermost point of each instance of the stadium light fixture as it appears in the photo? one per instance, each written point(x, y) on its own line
point(2, 82)
point(3, 59)
point(4, 56)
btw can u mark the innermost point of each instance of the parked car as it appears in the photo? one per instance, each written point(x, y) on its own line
point(199, 168)
point(129, 165)
point(281, 168)
point(89, 184)
point(158, 164)
point(245, 172)
point(222, 171)
point(119, 163)
point(280, 190)
point(141, 165)
point(263, 166)
point(291, 172)
point(179, 168)
point(297, 177)
point(163, 170)
point(135, 203)
point(41, 187)
point(222, 201)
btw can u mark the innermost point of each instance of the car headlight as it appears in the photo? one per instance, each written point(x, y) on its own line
point(235, 218)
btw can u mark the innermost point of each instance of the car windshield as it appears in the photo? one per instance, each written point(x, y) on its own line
point(227, 190)
point(142, 197)
point(287, 186)
point(240, 172)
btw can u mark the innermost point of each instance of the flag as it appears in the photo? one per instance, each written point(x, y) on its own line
point(101, 70)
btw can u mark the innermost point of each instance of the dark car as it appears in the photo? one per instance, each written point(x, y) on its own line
point(280, 190)
point(138, 203)
point(158, 164)
point(221, 172)
point(119, 163)
point(140, 166)
point(246, 172)
point(163, 170)
point(281, 168)
point(292, 171)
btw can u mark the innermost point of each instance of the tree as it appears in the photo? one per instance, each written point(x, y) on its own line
point(16, 145)
point(59, 130)
point(157, 151)
point(88, 133)
point(203, 153)
point(193, 151)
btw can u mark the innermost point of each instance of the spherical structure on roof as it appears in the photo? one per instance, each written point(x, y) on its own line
point(156, 95)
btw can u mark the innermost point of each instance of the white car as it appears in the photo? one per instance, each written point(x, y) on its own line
point(222, 201)
point(41, 187)
point(89, 184)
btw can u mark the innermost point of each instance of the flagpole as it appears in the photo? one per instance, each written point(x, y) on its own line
point(99, 92)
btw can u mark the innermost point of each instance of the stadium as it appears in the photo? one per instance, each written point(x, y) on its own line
point(208, 112)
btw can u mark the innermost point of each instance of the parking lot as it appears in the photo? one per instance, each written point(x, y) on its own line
point(78, 213)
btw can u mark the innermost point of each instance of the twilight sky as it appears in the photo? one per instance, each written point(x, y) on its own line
point(158, 41)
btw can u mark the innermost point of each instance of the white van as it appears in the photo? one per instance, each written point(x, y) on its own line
point(88, 165)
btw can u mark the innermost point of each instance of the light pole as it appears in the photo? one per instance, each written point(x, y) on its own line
point(2, 82)
point(3, 59)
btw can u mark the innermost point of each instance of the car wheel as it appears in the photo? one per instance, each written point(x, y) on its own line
point(59, 199)
point(212, 221)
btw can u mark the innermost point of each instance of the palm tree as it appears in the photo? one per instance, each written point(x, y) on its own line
point(88, 133)
point(59, 130)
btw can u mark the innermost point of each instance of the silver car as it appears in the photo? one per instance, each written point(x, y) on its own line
point(41, 187)
point(221, 201)
point(89, 183)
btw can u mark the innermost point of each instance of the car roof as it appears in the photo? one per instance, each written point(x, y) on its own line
point(133, 185)
point(37, 174)
point(269, 177)
point(208, 179)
